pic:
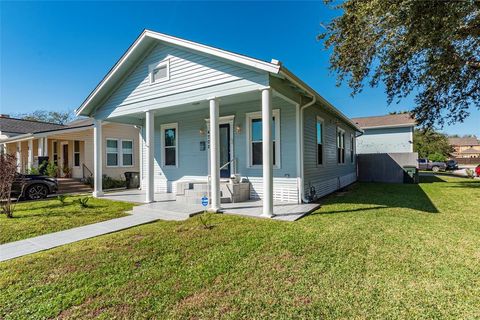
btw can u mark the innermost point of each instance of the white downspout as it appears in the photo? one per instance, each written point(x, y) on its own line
point(302, 184)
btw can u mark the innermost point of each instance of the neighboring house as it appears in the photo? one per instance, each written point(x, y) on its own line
point(71, 146)
point(177, 89)
point(468, 147)
point(391, 133)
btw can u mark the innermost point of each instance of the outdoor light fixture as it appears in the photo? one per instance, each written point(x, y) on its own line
point(201, 131)
point(238, 129)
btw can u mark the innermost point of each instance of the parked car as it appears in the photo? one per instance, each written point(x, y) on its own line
point(477, 170)
point(451, 165)
point(425, 164)
point(34, 186)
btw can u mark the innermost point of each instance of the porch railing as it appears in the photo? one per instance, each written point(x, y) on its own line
point(86, 173)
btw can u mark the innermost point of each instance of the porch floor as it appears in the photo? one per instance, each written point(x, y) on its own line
point(252, 208)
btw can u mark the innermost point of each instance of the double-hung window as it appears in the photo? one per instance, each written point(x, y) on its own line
point(352, 148)
point(112, 152)
point(340, 146)
point(119, 152)
point(55, 153)
point(255, 138)
point(127, 153)
point(76, 153)
point(169, 144)
point(319, 129)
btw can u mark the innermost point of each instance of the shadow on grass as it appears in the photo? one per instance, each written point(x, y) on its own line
point(380, 196)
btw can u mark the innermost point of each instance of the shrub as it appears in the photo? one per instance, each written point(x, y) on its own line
point(8, 174)
point(62, 198)
point(51, 170)
point(436, 157)
point(83, 202)
point(470, 173)
point(33, 171)
point(107, 182)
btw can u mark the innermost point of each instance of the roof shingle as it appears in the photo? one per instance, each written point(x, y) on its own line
point(393, 120)
point(20, 126)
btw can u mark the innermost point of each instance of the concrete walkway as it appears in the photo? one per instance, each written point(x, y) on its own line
point(23, 247)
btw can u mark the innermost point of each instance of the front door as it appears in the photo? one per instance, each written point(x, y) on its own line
point(225, 152)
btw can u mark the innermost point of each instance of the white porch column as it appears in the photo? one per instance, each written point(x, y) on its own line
point(150, 149)
point(45, 146)
point(267, 153)
point(19, 157)
point(30, 154)
point(97, 158)
point(214, 155)
point(40, 147)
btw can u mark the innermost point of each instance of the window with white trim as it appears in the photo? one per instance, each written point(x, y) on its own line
point(255, 137)
point(169, 144)
point(352, 148)
point(340, 146)
point(76, 153)
point(159, 72)
point(319, 129)
point(127, 153)
point(55, 153)
point(112, 152)
point(119, 152)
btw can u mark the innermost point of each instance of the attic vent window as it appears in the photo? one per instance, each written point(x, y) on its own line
point(159, 72)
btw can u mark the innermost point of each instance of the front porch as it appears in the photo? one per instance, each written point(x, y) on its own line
point(165, 204)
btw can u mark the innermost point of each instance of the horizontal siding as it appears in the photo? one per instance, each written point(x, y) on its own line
point(330, 176)
point(193, 163)
point(284, 189)
point(188, 72)
point(386, 140)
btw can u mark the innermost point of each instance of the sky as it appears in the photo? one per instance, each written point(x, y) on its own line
point(53, 54)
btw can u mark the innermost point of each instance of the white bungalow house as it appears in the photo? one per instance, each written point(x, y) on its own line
point(205, 114)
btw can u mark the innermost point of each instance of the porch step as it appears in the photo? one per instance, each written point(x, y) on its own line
point(70, 185)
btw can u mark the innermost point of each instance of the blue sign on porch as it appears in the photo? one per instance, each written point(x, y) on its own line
point(204, 201)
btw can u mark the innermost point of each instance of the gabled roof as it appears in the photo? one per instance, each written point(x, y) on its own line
point(146, 38)
point(467, 141)
point(19, 126)
point(386, 121)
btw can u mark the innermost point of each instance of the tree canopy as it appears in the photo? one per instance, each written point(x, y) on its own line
point(431, 144)
point(59, 117)
point(428, 49)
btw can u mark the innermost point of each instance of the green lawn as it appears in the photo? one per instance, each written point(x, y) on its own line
point(34, 218)
point(376, 251)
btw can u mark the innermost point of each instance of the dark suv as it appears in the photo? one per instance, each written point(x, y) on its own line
point(451, 165)
point(34, 186)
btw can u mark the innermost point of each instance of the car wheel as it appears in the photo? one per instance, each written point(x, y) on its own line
point(435, 169)
point(36, 191)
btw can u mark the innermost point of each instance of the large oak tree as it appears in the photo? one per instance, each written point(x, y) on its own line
point(429, 49)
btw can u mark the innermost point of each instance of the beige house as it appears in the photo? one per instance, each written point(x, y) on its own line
point(70, 146)
point(468, 147)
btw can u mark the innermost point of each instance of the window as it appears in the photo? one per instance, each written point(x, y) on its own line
point(112, 153)
point(319, 141)
point(169, 144)
point(76, 153)
point(340, 146)
point(255, 137)
point(55, 153)
point(119, 153)
point(159, 72)
point(127, 153)
point(352, 148)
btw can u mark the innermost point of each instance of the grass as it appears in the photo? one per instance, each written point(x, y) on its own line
point(375, 251)
point(34, 218)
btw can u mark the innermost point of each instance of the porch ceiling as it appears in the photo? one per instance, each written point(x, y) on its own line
point(138, 117)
